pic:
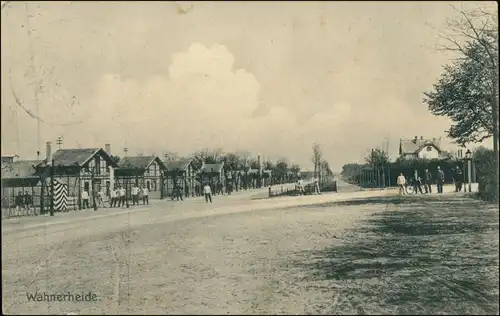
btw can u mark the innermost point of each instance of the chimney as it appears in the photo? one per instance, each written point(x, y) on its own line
point(415, 139)
point(421, 137)
point(107, 149)
point(48, 152)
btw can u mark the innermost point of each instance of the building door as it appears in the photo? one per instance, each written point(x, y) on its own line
point(86, 186)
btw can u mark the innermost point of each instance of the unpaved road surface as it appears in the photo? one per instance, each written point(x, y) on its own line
point(313, 255)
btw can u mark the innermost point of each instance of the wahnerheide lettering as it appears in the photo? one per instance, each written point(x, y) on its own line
point(61, 297)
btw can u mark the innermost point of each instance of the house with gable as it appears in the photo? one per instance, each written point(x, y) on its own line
point(147, 171)
point(420, 148)
point(89, 169)
point(213, 174)
point(180, 171)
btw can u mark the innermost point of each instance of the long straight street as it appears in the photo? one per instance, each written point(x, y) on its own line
point(358, 252)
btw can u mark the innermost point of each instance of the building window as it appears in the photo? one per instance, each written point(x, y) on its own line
point(429, 148)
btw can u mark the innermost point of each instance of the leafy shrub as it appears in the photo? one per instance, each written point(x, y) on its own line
point(484, 161)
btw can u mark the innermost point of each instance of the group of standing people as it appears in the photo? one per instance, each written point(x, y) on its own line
point(426, 181)
point(119, 196)
point(23, 202)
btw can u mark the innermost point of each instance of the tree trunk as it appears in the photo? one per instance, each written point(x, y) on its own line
point(494, 107)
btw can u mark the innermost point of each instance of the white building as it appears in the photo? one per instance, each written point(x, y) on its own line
point(421, 148)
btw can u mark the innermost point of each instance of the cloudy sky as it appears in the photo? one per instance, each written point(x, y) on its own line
point(266, 77)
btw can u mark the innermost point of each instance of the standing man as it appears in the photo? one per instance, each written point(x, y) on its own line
point(316, 186)
point(458, 179)
point(19, 203)
point(177, 192)
point(428, 181)
point(85, 199)
point(112, 202)
point(401, 184)
point(118, 196)
point(28, 202)
point(135, 194)
point(417, 185)
point(207, 190)
point(145, 195)
point(123, 196)
point(440, 180)
point(100, 198)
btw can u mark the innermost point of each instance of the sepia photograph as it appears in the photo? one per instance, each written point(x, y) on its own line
point(250, 157)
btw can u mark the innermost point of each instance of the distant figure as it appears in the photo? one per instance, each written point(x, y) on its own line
point(401, 184)
point(458, 179)
point(114, 196)
point(439, 180)
point(417, 185)
point(19, 203)
point(100, 198)
point(300, 186)
point(145, 196)
point(316, 185)
point(85, 199)
point(123, 196)
point(135, 195)
point(207, 191)
point(427, 181)
point(177, 193)
point(220, 188)
point(28, 202)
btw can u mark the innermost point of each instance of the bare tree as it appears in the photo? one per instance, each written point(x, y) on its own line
point(317, 156)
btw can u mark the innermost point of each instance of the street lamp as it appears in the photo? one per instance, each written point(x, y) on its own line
point(468, 158)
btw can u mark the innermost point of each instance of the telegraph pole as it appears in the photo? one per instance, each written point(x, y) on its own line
point(52, 195)
point(59, 142)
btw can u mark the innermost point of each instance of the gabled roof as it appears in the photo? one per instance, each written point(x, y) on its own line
point(212, 167)
point(142, 162)
point(77, 157)
point(179, 164)
point(413, 146)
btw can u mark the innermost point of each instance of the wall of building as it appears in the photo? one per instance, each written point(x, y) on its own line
point(428, 152)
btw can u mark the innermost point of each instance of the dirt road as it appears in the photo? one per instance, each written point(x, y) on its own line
point(257, 257)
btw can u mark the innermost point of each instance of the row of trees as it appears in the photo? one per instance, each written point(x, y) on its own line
point(241, 160)
point(235, 161)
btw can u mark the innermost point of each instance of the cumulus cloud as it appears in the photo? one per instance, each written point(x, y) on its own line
point(202, 102)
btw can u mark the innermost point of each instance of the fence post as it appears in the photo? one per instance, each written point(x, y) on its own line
point(269, 191)
point(52, 188)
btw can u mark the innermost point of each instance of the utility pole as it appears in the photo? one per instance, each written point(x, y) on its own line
point(59, 142)
point(92, 181)
point(388, 162)
point(52, 195)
